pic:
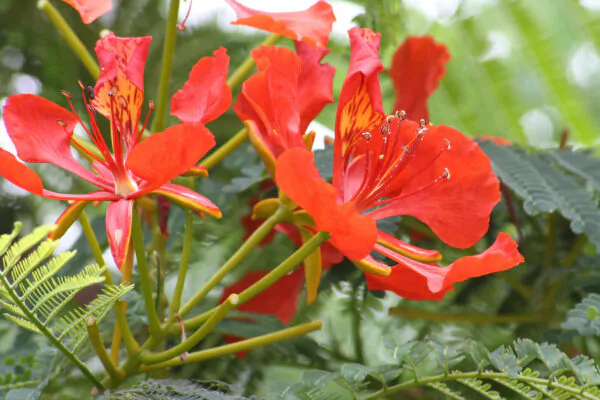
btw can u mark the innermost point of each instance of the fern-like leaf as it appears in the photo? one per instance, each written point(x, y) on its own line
point(35, 298)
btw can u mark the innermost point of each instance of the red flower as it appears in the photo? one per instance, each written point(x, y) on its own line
point(90, 10)
point(312, 26)
point(283, 97)
point(42, 133)
point(389, 166)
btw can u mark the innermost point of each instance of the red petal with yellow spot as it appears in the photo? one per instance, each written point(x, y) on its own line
point(297, 176)
point(456, 209)
point(166, 155)
point(312, 25)
point(90, 10)
point(19, 174)
point(122, 62)
point(205, 95)
point(419, 281)
point(118, 228)
point(360, 108)
point(417, 68)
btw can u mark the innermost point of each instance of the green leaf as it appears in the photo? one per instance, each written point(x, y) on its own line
point(176, 389)
point(578, 319)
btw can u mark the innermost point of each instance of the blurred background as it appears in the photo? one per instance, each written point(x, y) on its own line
point(521, 70)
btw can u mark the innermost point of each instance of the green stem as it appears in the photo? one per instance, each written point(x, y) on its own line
point(122, 324)
point(70, 37)
point(478, 375)
point(183, 265)
point(356, 323)
point(196, 337)
point(96, 340)
point(244, 345)
point(165, 74)
point(224, 150)
point(241, 72)
point(470, 318)
point(277, 273)
point(578, 246)
point(253, 241)
point(138, 245)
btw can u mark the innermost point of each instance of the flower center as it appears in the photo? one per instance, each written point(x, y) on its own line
point(383, 164)
point(124, 134)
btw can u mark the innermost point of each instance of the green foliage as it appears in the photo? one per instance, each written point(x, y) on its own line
point(584, 318)
point(35, 298)
point(176, 389)
point(545, 187)
point(527, 369)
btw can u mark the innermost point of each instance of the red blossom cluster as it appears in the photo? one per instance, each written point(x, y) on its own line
point(384, 165)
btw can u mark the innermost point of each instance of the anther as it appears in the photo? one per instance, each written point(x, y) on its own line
point(401, 114)
point(181, 26)
point(389, 118)
point(61, 123)
point(81, 85)
point(66, 94)
point(151, 105)
point(448, 147)
point(421, 131)
point(381, 156)
point(90, 92)
point(422, 123)
point(385, 129)
point(367, 136)
point(446, 174)
point(111, 93)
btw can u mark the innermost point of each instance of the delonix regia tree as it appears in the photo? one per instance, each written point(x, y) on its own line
point(396, 209)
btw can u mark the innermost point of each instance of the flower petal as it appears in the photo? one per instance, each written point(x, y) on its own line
point(360, 106)
point(407, 250)
point(418, 281)
point(90, 10)
point(417, 68)
point(41, 132)
point(166, 155)
point(315, 83)
point(312, 25)
point(122, 62)
point(297, 176)
point(118, 228)
point(19, 174)
point(205, 95)
point(188, 198)
point(269, 99)
point(456, 209)
point(279, 299)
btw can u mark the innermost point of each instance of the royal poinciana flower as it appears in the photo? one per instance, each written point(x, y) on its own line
point(389, 166)
point(312, 25)
point(127, 167)
point(90, 10)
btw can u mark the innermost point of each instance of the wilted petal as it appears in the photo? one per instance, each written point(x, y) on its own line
point(419, 281)
point(351, 233)
point(205, 95)
point(312, 25)
point(188, 198)
point(90, 10)
point(166, 155)
point(118, 228)
point(417, 68)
